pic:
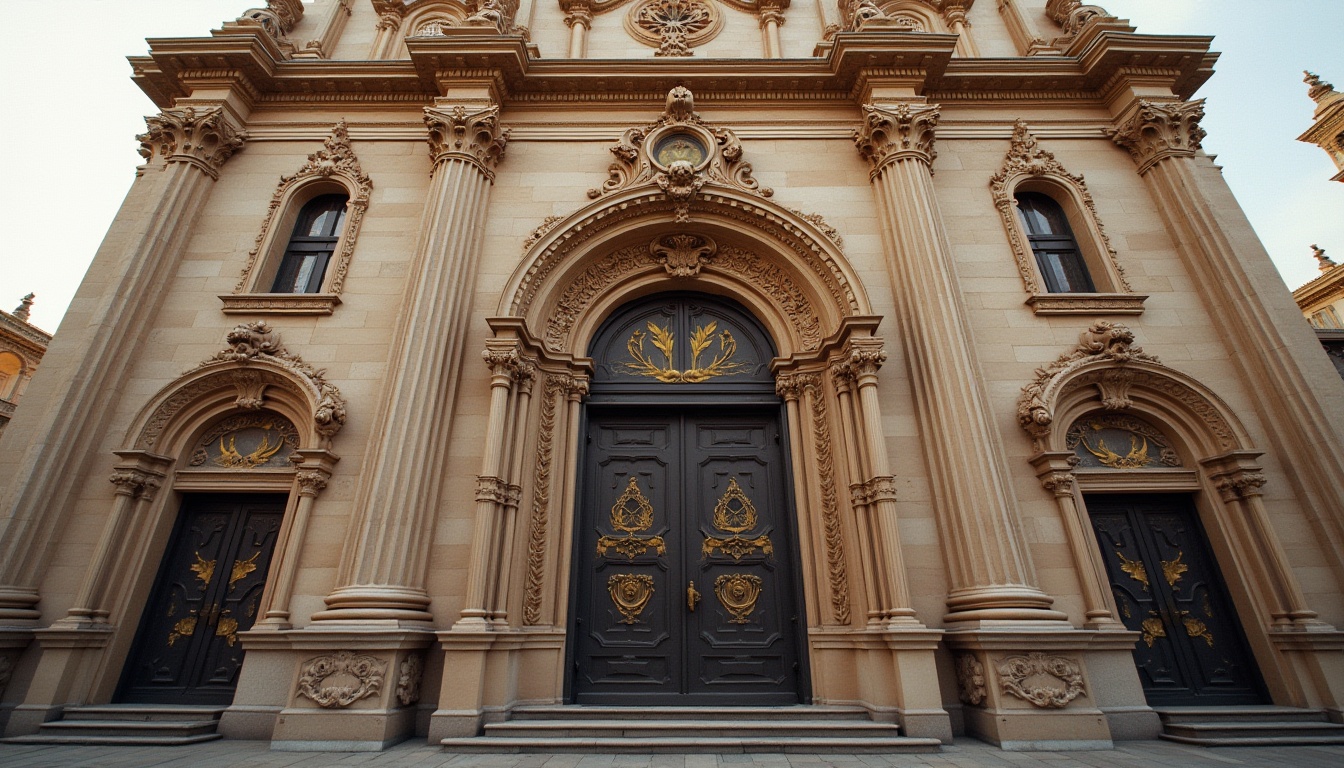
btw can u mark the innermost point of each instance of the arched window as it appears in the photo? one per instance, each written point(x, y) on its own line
point(311, 245)
point(1052, 242)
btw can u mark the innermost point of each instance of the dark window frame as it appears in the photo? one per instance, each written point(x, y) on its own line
point(1058, 258)
point(303, 267)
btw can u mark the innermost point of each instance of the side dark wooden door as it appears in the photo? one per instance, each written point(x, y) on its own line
point(208, 590)
point(685, 586)
point(1167, 587)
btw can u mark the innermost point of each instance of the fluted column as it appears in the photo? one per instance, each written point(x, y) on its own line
point(1270, 345)
point(310, 478)
point(184, 149)
point(387, 546)
point(1056, 475)
point(387, 33)
point(579, 19)
point(992, 578)
point(771, 19)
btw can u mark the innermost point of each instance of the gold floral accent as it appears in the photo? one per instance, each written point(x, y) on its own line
point(204, 570)
point(1173, 569)
point(241, 568)
point(1153, 629)
point(1196, 628)
point(631, 514)
point(1134, 568)
point(227, 628)
point(701, 340)
point(735, 514)
point(183, 628)
point(738, 592)
point(631, 593)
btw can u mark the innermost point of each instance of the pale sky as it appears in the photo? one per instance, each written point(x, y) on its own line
point(68, 150)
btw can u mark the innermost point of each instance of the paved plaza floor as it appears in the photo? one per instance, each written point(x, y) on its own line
point(966, 753)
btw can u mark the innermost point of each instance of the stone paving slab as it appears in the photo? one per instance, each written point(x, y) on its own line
point(966, 753)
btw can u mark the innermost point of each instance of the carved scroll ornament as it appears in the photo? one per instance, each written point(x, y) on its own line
point(632, 514)
point(475, 136)
point(1159, 130)
point(201, 137)
point(1049, 682)
point(1103, 341)
point(738, 593)
point(893, 132)
point(630, 593)
point(357, 677)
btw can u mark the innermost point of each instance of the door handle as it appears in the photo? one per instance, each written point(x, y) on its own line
point(692, 596)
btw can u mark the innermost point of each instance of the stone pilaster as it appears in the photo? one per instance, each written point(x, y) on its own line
point(184, 149)
point(579, 19)
point(771, 17)
point(1273, 350)
point(992, 578)
point(387, 546)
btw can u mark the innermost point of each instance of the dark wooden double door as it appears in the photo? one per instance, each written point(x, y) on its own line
point(685, 591)
point(1167, 587)
point(208, 590)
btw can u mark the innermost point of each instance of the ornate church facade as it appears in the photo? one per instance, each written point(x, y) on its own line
point(811, 337)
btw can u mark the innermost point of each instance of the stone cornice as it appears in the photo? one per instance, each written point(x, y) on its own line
point(17, 329)
point(1320, 290)
point(1106, 61)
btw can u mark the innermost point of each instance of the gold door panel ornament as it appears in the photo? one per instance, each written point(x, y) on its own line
point(701, 340)
point(631, 593)
point(1153, 629)
point(1173, 569)
point(631, 514)
point(183, 628)
point(241, 568)
point(735, 514)
point(1196, 628)
point(1135, 568)
point(738, 592)
point(204, 570)
point(247, 442)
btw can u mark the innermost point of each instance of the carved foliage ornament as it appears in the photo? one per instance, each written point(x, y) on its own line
point(1103, 341)
point(706, 155)
point(201, 137)
point(1027, 160)
point(342, 678)
point(1161, 130)
point(674, 27)
point(894, 132)
point(475, 136)
point(1049, 682)
point(409, 673)
point(1074, 15)
point(682, 255)
point(541, 500)
point(970, 680)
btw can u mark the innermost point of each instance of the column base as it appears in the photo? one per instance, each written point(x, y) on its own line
point(1026, 688)
point(63, 676)
point(1015, 603)
point(18, 606)
point(376, 602)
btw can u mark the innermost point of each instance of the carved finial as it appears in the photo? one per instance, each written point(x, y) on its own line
point(26, 304)
point(1325, 262)
point(1318, 88)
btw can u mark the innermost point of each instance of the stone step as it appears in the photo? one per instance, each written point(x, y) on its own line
point(141, 712)
point(1259, 741)
point(577, 712)
point(1243, 730)
point(693, 744)
point(1252, 714)
point(719, 728)
point(112, 741)
point(139, 729)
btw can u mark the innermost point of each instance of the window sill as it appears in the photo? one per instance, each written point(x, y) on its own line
point(279, 303)
point(1087, 303)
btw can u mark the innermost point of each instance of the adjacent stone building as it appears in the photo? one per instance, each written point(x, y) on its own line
point(905, 363)
point(22, 345)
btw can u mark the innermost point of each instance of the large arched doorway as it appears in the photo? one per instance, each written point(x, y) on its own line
point(685, 590)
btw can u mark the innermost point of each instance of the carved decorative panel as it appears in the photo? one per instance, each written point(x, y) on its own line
point(1119, 441)
point(247, 441)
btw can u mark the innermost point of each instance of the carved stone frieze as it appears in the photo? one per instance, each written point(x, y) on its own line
point(336, 159)
point(970, 680)
point(1159, 130)
point(708, 154)
point(409, 674)
point(472, 135)
point(357, 676)
point(682, 255)
point(1049, 682)
point(538, 524)
point(201, 137)
point(900, 131)
point(1103, 341)
point(1027, 160)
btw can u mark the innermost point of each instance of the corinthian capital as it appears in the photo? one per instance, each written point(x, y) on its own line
point(201, 137)
point(900, 131)
point(474, 136)
point(1161, 130)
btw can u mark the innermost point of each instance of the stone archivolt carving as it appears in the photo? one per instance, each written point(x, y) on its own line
point(1159, 130)
point(674, 27)
point(336, 160)
point(1103, 341)
point(1027, 160)
point(251, 344)
point(201, 137)
point(409, 673)
point(970, 680)
point(902, 130)
point(682, 255)
point(713, 157)
point(1049, 682)
point(353, 677)
point(475, 136)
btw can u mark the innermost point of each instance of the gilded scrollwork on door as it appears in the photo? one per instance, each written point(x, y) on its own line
point(631, 593)
point(734, 513)
point(738, 592)
point(702, 338)
point(1172, 570)
point(1196, 628)
point(1135, 568)
point(631, 514)
point(1152, 628)
point(1133, 443)
point(204, 570)
point(246, 442)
